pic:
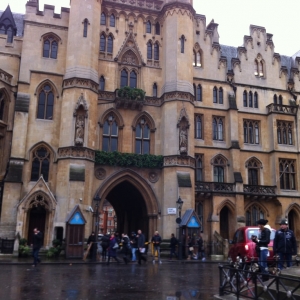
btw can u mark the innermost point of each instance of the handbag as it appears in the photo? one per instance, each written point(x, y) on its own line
point(191, 248)
point(116, 246)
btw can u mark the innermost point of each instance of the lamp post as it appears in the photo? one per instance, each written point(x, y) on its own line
point(97, 200)
point(115, 222)
point(179, 203)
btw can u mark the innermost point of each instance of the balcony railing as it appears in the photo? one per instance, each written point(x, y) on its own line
point(260, 190)
point(209, 187)
point(282, 109)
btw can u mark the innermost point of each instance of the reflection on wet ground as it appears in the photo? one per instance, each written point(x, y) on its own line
point(169, 281)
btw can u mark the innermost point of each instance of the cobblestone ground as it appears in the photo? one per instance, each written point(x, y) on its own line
point(169, 281)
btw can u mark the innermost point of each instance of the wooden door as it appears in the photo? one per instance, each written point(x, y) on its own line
point(75, 240)
point(37, 219)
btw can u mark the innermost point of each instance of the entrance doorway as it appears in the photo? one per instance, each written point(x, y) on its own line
point(224, 222)
point(130, 208)
point(37, 219)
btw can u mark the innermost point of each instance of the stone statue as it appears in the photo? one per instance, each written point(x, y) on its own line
point(183, 140)
point(79, 134)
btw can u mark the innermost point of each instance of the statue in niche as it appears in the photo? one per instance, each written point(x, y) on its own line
point(183, 139)
point(79, 130)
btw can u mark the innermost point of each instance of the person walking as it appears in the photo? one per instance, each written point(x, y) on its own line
point(141, 247)
point(105, 244)
point(190, 244)
point(133, 243)
point(200, 243)
point(262, 243)
point(173, 244)
point(126, 248)
point(156, 241)
point(36, 246)
point(112, 249)
point(93, 249)
point(284, 244)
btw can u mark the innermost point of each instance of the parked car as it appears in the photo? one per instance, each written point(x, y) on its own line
point(242, 244)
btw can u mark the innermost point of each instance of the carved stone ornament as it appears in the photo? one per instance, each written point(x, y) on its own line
point(79, 130)
point(153, 177)
point(100, 173)
point(81, 102)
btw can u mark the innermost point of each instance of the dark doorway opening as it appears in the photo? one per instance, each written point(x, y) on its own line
point(130, 208)
point(224, 224)
point(37, 219)
point(292, 220)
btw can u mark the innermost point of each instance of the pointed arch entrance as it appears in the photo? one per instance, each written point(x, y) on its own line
point(133, 200)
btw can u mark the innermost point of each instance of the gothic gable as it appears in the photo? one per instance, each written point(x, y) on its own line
point(7, 20)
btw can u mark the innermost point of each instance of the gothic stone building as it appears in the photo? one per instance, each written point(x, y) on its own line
point(224, 119)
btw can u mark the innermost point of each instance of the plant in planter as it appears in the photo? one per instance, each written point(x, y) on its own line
point(24, 249)
point(55, 250)
point(131, 93)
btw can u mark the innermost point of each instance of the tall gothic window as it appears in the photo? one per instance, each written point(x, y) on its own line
point(199, 93)
point(85, 27)
point(250, 99)
point(285, 133)
point(199, 167)
point(142, 137)
point(156, 51)
point(154, 90)
point(198, 127)
point(251, 132)
point(102, 43)
point(215, 95)
point(157, 28)
point(45, 103)
point(148, 27)
point(110, 44)
point(218, 129)
point(102, 84)
point(10, 35)
point(124, 78)
point(149, 50)
point(112, 21)
point(255, 100)
point(197, 59)
point(219, 165)
point(40, 163)
point(110, 134)
point(287, 174)
point(253, 172)
point(280, 100)
point(128, 79)
point(220, 95)
point(133, 79)
point(245, 99)
point(275, 99)
point(253, 214)
point(50, 47)
point(182, 40)
point(103, 19)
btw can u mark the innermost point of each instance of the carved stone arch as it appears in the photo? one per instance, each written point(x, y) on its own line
point(117, 115)
point(258, 204)
point(150, 41)
point(86, 20)
point(151, 19)
point(40, 144)
point(183, 116)
point(150, 198)
point(142, 17)
point(105, 11)
point(51, 34)
point(43, 83)
point(122, 12)
point(197, 47)
point(112, 35)
point(113, 12)
point(293, 206)
point(36, 199)
point(149, 119)
point(259, 163)
point(5, 94)
point(131, 14)
point(219, 156)
point(157, 42)
point(228, 203)
point(103, 33)
point(81, 102)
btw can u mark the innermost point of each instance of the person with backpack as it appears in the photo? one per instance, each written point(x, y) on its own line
point(126, 248)
point(156, 240)
point(133, 243)
point(173, 244)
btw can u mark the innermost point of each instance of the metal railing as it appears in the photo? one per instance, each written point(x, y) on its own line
point(260, 189)
point(244, 280)
point(201, 186)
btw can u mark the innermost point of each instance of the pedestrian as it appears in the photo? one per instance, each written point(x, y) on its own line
point(285, 244)
point(200, 243)
point(112, 249)
point(156, 241)
point(93, 249)
point(133, 243)
point(262, 242)
point(190, 244)
point(141, 247)
point(37, 243)
point(173, 244)
point(126, 248)
point(105, 244)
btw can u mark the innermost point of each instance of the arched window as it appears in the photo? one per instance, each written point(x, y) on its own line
point(197, 59)
point(219, 165)
point(40, 164)
point(261, 68)
point(199, 167)
point(103, 19)
point(280, 100)
point(2, 29)
point(287, 174)
point(149, 50)
point(124, 78)
point(250, 99)
point(148, 27)
point(218, 129)
point(220, 95)
point(45, 103)
point(198, 127)
point(275, 99)
point(157, 28)
point(255, 100)
point(253, 214)
point(142, 137)
point(256, 68)
point(215, 95)
point(102, 43)
point(156, 51)
point(251, 132)
point(2, 106)
point(110, 134)
point(133, 79)
point(102, 84)
point(245, 100)
point(10, 35)
point(182, 40)
point(112, 21)
point(110, 44)
point(85, 27)
point(253, 172)
point(285, 133)
point(50, 47)
point(154, 90)
point(199, 93)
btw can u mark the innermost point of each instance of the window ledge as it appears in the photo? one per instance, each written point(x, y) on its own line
point(44, 120)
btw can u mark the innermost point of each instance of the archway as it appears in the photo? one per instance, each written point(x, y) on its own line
point(37, 219)
point(293, 219)
point(224, 222)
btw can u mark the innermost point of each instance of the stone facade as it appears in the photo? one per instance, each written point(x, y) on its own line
point(224, 118)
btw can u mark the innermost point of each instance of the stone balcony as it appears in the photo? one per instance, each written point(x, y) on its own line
point(259, 191)
point(282, 109)
point(208, 188)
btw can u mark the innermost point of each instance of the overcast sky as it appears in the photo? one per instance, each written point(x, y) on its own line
point(280, 18)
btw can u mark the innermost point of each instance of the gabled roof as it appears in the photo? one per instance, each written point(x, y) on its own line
point(190, 219)
point(16, 20)
point(8, 19)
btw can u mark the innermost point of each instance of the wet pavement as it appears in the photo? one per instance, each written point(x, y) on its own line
point(74, 281)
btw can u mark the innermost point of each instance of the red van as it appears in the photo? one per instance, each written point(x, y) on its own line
point(242, 245)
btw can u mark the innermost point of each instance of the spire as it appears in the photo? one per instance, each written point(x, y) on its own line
point(7, 19)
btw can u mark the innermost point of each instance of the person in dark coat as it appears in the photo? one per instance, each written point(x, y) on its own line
point(262, 244)
point(105, 244)
point(133, 243)
point(126, 248)
point(36, 246)
point(93, 249)
point(112, 252)
point(141, 247)
point(200, 243)
point(190, 244)
point(173, 244)
point(284, 244)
